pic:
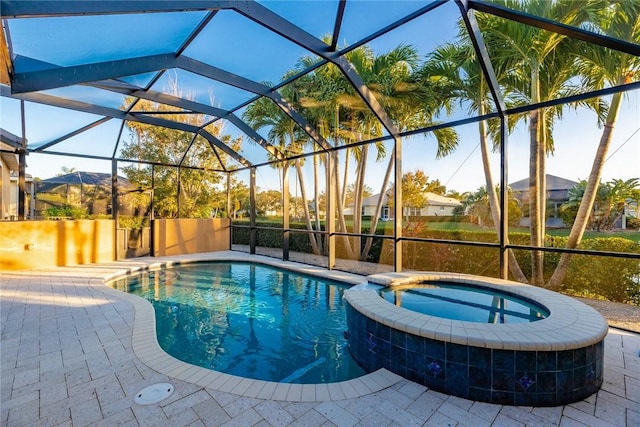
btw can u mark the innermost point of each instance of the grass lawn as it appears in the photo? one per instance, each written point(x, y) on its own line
point(633, 235)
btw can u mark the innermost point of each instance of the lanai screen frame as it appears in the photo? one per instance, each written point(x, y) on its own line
point(23, 86)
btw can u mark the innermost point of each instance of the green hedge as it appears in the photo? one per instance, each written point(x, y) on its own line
point(611, 278)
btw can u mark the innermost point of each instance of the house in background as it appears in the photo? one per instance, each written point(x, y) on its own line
point(437, 205)
point(557, 194)
point(9, 169)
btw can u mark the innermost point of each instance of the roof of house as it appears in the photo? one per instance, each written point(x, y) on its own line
point(553, 183)
point(81, 178)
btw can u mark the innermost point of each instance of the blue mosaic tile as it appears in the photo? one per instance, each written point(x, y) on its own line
point(434, 368)
point(371, 342)
point(525, 382)
point(544, 378)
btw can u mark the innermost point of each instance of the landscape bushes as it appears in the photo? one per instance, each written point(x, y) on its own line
point(605, 277)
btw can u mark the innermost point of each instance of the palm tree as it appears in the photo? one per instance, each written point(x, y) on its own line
point(410, 102)
point(455, 68)
point(538, 71)
point(285, 134)
point(600, 68)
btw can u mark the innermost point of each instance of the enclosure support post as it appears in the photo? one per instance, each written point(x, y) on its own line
point(178, 192)
point(22, 167)
point(397, 206)
point(285, 213)
point(252, 211)
point(152, 240)
point(504, 200)
point(114, 203)
point(330, 211)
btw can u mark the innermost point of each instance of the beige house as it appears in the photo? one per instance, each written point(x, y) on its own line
point(8, 167)
point(437, 205)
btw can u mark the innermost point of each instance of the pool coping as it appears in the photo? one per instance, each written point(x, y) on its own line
point(571, 324)
point(147, 349)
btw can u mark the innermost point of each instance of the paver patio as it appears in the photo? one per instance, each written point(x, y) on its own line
point(68, 359)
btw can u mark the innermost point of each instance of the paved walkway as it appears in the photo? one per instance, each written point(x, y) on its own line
point(68, 359)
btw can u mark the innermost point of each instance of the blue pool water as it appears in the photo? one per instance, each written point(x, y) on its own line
point(250, 320)
point(461, 302)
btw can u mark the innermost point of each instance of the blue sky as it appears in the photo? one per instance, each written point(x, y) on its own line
point(576, 137)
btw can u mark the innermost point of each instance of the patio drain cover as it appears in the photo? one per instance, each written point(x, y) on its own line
point(153, 394)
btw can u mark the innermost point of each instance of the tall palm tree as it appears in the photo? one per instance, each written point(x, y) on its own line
point(455, 68)
point(601, 68)
point(537, 72)
point(285, 134)
point(410, 102)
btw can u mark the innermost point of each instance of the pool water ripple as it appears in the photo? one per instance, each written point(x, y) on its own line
point(250, 320)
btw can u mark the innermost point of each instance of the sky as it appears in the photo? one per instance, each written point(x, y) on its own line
point(576, 137)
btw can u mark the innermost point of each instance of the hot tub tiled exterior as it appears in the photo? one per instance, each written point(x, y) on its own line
point(549, 362)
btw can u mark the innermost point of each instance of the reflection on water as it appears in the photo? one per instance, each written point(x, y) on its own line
point(466, 303)
point(249, 320)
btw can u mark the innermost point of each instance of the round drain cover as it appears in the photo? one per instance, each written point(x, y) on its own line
point(153, 394)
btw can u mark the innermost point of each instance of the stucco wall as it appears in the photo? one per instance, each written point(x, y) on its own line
point(37, 244)
point(189, 236)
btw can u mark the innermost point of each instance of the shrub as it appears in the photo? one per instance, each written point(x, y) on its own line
point(633, 223)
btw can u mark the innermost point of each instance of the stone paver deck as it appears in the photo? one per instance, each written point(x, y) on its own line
point(68, 353)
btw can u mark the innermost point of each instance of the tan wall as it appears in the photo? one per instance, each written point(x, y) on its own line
point(37, 244)
point(190, 236)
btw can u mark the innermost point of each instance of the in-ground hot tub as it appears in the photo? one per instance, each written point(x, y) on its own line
point(518, 344)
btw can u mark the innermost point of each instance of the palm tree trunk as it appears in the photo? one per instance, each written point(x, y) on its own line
point(376, 214)
point(340, 208)
point(535, 179)
point(494, 205)
point(305, 208)
point(316, 198)
point(589, 196)
point(357, 218)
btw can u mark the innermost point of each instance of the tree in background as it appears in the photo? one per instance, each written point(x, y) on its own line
point(198, 188)
point(609, 203)
point(415, 186)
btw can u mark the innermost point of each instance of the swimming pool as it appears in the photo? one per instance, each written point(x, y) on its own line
point(458, 301)
point(250, 320)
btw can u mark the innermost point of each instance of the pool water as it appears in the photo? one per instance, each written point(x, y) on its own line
point(250, 320)
point(466, 303)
